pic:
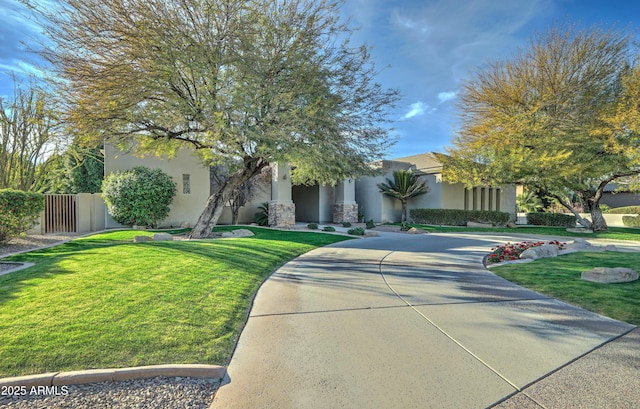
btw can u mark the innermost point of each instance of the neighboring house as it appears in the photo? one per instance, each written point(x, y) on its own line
point(441, 195)
point(619, 196)
point(318, 203)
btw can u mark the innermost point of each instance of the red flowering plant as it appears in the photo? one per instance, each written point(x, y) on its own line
point(509, 251)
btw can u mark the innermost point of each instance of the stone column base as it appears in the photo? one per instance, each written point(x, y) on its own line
point(345, 212)
point(282, 214)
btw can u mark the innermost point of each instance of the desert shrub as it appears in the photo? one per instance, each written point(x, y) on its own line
point(358, 231)
point(346, 224)
point(404, 226)
point(312, 226)
point(624, 210)
point(329, 228)
point(261, 217)
point(371, 224)
point(551, 219)
point(458, 217)
point(18, 212)
point(631, 221)
point(139, 196)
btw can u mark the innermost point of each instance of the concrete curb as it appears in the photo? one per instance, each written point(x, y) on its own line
point(116, 374)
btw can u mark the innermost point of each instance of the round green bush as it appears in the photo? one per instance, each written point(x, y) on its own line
point(329, 228)
point(358, 231)
point(139, 196)
point(312, 226)
point(18, 212)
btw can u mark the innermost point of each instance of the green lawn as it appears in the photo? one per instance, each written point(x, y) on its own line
point(559, 277)
point(614, 233)
point(103, 301)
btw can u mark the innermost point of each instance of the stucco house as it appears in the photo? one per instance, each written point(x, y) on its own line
point(318, 203)
point(442, 195)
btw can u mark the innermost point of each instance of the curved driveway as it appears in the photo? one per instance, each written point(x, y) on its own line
point(402, 321)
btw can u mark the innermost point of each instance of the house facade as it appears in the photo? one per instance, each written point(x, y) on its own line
point(441, 195)
point(318, 203)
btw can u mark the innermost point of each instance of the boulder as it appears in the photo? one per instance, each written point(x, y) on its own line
point(611, 247)
point(237, 233)
point(512, 225)
point(140, 239)
point(610, 275)
point(162, 237)
point(476, 224)
point(581, 230)
point(413, 230)
point(534, 253)
point(185, 225)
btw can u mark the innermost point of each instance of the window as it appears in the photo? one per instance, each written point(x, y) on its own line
point(498, 199)
point(483, 192)
point(475, 198)
point(186, 184)
point(491, 198)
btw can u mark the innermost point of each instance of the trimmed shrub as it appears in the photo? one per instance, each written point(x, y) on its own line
point(358, 231)
point(328, 228)
point(457, 217)
point(139, 196)
point(371, 224)
point(624, 210)
point(18, 212)
point(312, 226)
point(551, 219)
point(631, 221)
point(346, 224)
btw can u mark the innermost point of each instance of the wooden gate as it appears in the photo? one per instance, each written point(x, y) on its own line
point(60, 214)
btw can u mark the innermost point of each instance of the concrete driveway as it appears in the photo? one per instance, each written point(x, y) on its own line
point(413, 321)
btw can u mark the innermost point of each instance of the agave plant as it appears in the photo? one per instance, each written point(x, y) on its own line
point(404, 186)
point(262, 216)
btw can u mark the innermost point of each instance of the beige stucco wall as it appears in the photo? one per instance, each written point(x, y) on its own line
point(185, 207)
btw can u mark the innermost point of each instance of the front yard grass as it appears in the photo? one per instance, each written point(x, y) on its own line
point(103, 301)
point(559, 277)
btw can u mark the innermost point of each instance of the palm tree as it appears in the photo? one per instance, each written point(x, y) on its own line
point(404, 186)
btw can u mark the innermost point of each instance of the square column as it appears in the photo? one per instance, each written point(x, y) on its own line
point(282, 210)
point(345, 208)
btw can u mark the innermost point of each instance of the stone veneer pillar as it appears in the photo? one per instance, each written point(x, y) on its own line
point(345, 208)
point(282, 210)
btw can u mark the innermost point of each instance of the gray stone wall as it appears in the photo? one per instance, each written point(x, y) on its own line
point(282, 214)
point(345, 212)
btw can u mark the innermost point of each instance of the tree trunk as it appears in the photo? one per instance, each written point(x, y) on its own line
point(598, 222)
point(581, 220)
point(215, 202)
point(404, 212)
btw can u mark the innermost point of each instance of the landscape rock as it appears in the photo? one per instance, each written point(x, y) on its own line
point(609, 275)
point(140, 239)
point(476, 224)
point(534, 253)
point(611, 247)
point(162, 237)
point(237, 233)
point(185, 225)
point(413, 230)
point(579, 230)
point(512, 225)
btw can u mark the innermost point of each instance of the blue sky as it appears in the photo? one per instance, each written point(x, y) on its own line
point(424, 48)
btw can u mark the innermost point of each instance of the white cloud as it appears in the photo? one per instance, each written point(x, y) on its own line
point(416, 109)
point(447, 96)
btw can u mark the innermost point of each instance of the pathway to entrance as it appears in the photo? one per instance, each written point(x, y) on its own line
point(415, 321)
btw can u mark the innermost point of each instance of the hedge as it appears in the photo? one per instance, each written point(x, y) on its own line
point(551, 219)
point(18, 212)
point(631, 221)
point(625, 210)
point(456, 217)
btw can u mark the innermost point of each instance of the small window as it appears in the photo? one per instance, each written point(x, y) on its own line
point(186, 184)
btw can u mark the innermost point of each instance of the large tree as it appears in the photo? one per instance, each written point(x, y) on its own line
point(245, 83)
point(554, 117)
point(28, 136)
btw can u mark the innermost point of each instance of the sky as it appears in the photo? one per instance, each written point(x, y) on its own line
point(423, 48)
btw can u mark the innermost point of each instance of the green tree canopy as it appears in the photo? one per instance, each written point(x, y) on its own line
point(404, 186)
point(554, 117)
point(245, 83)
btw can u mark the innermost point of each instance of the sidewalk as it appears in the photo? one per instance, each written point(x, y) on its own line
point(416, 321)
